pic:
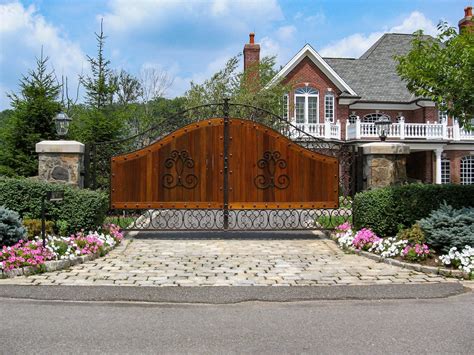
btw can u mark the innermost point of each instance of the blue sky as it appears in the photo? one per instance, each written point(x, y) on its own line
point(191, 39)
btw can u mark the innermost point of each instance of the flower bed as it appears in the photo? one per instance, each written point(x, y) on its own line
point(31, 254)
point(401, 249)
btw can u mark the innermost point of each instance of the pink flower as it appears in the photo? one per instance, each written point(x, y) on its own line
point(344, 227)
point(364, 238)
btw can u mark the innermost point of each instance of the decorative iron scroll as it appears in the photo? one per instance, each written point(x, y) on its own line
point(269, 164)
point(180, 160)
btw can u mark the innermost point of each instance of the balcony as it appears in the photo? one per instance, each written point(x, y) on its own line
point(398, 131)
point(409, 131)
point(325, 130)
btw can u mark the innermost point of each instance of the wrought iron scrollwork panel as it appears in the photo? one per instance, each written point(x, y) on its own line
point(270, 163)
point(180, 161)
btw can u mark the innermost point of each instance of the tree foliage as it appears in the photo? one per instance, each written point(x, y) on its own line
point(30, 121)
point(442, 70)
point(250, 87)
point(100, 86)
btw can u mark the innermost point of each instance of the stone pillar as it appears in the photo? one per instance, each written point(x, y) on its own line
point(61, 162)
point(384, 164)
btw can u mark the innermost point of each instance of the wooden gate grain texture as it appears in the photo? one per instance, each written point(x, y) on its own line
point(182, 170)
point(185, 170)
point(267, 170)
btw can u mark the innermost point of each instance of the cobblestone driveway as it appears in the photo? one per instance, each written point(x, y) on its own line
point(158, 262)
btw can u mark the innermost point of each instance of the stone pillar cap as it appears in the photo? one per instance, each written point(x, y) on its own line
point(60, 146)
point(385, 148)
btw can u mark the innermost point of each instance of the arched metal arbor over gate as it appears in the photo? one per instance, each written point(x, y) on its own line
point(232, 167)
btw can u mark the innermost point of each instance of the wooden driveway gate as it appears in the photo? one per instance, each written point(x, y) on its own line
point(228, 173)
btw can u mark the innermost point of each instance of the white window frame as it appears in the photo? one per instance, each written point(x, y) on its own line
point(333, 113)
point(445, 171)
point(286, 107)
point(467, 170)
point(442, 116)
point(372, 117)
point(307, 92)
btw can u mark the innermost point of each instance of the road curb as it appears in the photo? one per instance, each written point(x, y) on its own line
point(229, 294)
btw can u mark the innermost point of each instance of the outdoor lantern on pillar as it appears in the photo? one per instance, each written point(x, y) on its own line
point(62, 122)
point(383, 127)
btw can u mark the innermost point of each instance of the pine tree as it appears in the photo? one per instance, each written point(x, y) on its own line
point(31, 121)
point(100, 87)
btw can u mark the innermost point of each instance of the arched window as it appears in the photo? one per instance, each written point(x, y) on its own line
point(372, 117)
point(467, 170)
point(306, 105)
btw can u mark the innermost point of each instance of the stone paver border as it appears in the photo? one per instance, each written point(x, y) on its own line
point(56, 265)
point(416, 267)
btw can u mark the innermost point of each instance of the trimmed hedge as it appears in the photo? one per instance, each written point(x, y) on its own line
point(387, 210)
point(80, 209)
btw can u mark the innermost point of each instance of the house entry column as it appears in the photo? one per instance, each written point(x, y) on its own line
point(438, 154)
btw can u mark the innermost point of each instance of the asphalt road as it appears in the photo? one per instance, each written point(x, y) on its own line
point(439, 326)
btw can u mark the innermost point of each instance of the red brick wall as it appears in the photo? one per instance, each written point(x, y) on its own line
point(306, 72)
point(455, 157)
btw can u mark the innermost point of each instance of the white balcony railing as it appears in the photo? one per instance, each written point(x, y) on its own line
point(326, 130)
point(414, 131)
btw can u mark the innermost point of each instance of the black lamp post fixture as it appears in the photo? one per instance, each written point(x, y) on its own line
point(50, 196)
point(383, 127)
point(62, 122)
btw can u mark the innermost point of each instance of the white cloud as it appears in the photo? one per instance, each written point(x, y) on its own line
point(269, 47)
point(415, 22)
point(23, 32)
point(126, 15)
point(351, 46)
point(286, 33)
point(356, 44)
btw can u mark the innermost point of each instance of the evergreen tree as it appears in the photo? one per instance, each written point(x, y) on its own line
point(31, 120)
point(100, 87)
point(98, 120)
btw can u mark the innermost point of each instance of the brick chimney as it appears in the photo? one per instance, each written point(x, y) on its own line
point(467, 22)
point(251, 52)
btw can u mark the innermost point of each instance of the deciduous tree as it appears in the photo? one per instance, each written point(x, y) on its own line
point(442, 70)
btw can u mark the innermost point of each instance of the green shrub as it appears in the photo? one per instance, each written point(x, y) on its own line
point(384, 210)
point(33, 227)
point(414, 235)
point(62, 227)
point(11, 230)
point(448, 227)
point(80, 209)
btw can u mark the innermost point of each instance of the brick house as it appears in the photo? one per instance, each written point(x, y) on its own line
point(341, 98)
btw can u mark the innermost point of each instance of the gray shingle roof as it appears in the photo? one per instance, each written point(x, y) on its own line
point(374, 76)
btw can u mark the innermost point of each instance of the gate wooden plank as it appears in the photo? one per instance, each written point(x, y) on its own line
point(185, 170)
point(173, 172)
point(270, 171)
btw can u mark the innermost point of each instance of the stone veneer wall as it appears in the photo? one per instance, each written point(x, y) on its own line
point(384, 164)
point(64, 168)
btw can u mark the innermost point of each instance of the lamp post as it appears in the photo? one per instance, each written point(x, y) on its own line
point(62, 121)
point(50, 196)
point(383, 127)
